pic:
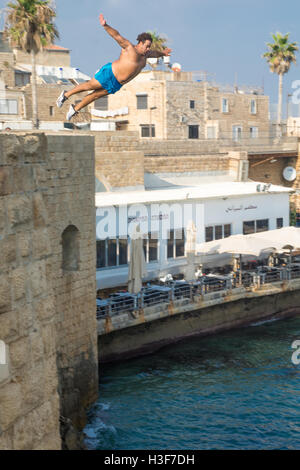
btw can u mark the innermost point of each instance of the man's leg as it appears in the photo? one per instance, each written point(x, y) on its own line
point(92, 84)
point(87, 100)
point(90, 98)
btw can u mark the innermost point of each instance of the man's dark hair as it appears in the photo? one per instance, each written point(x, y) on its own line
point(143, 37)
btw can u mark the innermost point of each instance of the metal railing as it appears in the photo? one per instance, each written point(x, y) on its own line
point(166, 293)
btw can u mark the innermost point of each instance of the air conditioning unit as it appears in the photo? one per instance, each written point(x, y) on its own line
point(183, 119)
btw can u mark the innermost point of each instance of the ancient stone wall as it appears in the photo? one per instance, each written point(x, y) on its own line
point(47, 287)
point(119, 159)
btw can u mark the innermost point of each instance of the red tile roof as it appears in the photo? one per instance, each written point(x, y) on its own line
point(56, 48)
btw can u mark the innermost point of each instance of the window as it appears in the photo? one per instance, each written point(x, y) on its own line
point(253, 226)
point(145, 130)
point(8, 107)
point(142, 101)
point(279, 222)
point(248, 227)
point(175, 248)
point(262, 225)
point(236, 133)
point(209, 234)
point(193, 132)
point(22, 79)
point(253, 107)
point(253, 132)
point(102, 103)
point(70, 247)
point(225, 107)
point(151, 248)
point(211, 132)
point(51, 110)
point(216, 232)
point(192, 104)
point(112, 252)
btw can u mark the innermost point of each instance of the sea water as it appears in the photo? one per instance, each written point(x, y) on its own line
point(234, 390)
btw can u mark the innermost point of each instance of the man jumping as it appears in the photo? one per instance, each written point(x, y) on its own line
point(110, 78)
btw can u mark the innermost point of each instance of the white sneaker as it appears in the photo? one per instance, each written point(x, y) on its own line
point(61, 99)
point(72, 112)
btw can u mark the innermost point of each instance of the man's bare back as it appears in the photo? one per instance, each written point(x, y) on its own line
point(111, 77)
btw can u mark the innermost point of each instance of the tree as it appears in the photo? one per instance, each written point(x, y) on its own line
point(280, 56)
point(159, 43)
point(29, 25)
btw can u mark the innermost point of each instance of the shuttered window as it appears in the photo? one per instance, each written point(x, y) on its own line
point(142, 101)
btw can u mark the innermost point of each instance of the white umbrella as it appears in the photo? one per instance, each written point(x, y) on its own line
point(137, 264)
point(237, 244)
point(286, 237)
point(191, 233)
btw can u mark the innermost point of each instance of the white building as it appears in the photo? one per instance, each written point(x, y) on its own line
point(218, 210)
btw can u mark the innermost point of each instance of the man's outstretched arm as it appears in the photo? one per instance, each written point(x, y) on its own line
point(165, 53)
point(124, 43)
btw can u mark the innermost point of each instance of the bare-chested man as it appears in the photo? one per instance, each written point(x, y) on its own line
point(110, 78)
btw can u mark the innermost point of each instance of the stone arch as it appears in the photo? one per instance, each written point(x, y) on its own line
point(71, 249)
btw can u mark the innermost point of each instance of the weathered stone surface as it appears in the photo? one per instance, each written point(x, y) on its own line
point(35, 148)
point(18, 280)
point(9, 326)
point(23, 179)
point(24, 244)
point(48, 326)
point(20, 353)
point(11, 404)
point(8, 252)
point(37, 275)
point(5, 295)
point(39, 211)
point(19, 209)
point(40, 243)
point(5, 181)
point(10, 149)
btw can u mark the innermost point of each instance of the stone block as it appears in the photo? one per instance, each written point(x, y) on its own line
point(18, 279)
point(19, 210)
point(5, 295)
point(6, 442)
point(20, 353)
point(8, 251)
point(45, 309)
point(23, 178)
point(35, 148)
point(11, 404)
point(8, 326)
point(36, 347)
point(23, 433)
point(24, 244)
point(25, 318)
point(2, 216)
point(37, 275)
point(33, 387)
point(5, 181)
point(10, 149)
point(39, 211)
point(40, 243)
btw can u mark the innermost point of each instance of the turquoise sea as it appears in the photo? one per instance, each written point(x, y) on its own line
point(233, 390)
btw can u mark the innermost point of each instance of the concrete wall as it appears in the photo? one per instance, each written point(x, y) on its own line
point(165, 324)
point(47, 304)
point(61, 58)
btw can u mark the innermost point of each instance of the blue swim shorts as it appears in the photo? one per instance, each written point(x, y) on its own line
point(106, 78)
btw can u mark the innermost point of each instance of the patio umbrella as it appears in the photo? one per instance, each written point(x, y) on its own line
point(137, 264)
point(191, 233)
point(239, 245)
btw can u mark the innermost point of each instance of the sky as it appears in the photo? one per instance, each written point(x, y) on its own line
point(226, 38)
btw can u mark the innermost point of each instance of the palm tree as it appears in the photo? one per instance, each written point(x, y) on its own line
point(159, 43)
point(29, 25)
point(280, 56)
